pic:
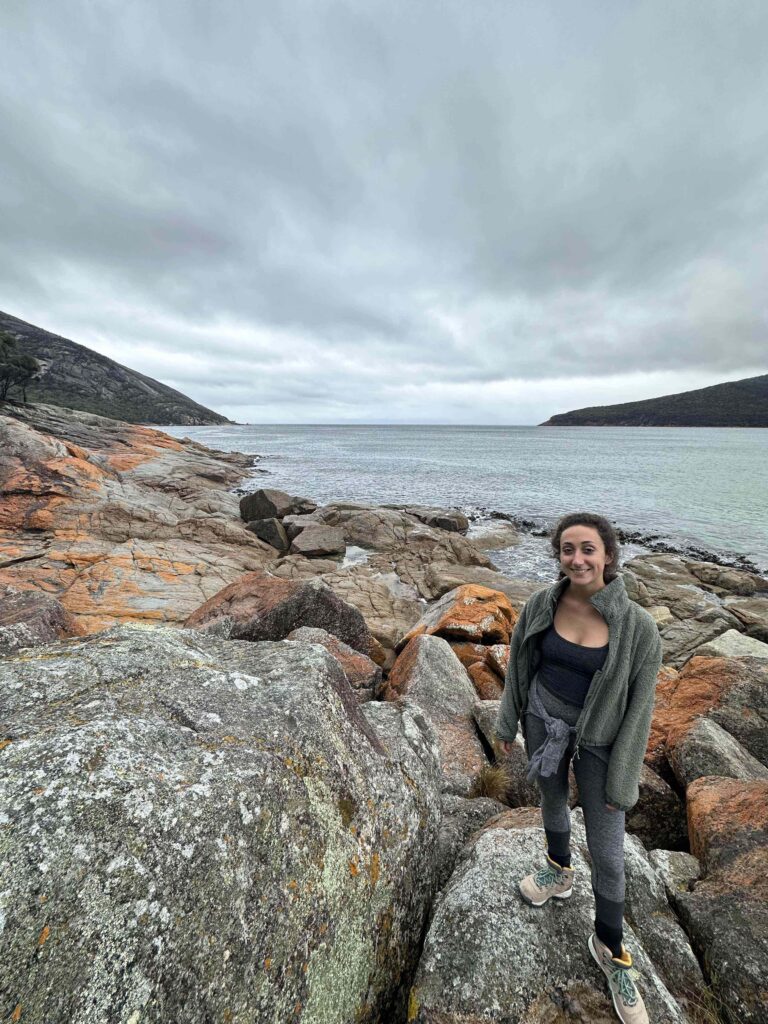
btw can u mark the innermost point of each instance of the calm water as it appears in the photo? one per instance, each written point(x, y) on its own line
point(706, 487)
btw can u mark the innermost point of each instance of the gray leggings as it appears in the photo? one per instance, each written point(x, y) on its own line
point(605, 829)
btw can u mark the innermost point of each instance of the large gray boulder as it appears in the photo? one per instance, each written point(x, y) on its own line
point(204, 830)
point(261, 606)
point(707, 749)
point(490, 956)
point(430, 674)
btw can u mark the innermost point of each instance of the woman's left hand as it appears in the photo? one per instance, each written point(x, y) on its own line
point(610, 807)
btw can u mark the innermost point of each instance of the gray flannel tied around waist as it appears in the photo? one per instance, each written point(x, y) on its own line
point(544, 762)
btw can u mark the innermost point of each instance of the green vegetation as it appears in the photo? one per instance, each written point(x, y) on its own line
point(17, 369)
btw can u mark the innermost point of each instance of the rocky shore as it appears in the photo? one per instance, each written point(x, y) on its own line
point(248, 770)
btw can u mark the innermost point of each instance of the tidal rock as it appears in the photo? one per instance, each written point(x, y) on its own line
point(469, 613)
point(488, 955)
point(450, 519)
point(204, 830)
point(294, 524)
point(267, 503)
point(668, 581)
point(752, 613)
point(363, 674)
point(271, 531)
point(29, 618)
point(494, 536)
point(636, 589)
point(732, 692)
point(661, 615)
point(726, 914)
point(733, 644)
point(401, 543)
point(723, 579)
point(430, 674)
point(319, 541)
point(487, 684)
point(264, 607)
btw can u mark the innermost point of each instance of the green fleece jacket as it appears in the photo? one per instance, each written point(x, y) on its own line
point(619, 704)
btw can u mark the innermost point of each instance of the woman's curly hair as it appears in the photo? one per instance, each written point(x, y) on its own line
point(607, 533)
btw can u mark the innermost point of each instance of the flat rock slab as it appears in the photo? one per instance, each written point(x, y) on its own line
point(202, 830)
point(319, 541)
point(733, 644)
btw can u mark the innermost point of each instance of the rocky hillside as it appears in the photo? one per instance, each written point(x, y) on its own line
point(738, 403)
point(75, 377)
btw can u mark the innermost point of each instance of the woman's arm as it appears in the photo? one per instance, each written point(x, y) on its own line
point(628, 751)
point(509, 709)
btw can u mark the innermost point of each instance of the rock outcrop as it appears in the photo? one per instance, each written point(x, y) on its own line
point(118, 522)
point(196, 829)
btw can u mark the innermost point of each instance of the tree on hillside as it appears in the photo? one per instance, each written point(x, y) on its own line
point(16, 369)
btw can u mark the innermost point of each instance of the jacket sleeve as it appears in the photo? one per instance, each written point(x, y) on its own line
point(509, 708)
point(628, 751)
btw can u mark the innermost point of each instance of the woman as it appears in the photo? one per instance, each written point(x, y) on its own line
point(581, 679)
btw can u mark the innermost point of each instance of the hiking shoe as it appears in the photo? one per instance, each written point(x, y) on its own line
point(551, 880)
point(621, 976)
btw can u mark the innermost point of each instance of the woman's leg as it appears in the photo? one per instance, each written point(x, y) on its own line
point(554, 796)
point(605, 839)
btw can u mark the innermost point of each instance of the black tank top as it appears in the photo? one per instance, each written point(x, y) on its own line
point(566, 668)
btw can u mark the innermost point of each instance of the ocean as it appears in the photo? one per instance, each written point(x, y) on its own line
point(702, 491)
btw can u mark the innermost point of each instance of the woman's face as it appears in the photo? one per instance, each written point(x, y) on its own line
point(582, 556)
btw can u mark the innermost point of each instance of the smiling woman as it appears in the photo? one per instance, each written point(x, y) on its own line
point(581, 680)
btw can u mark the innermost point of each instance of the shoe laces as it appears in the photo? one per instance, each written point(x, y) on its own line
point(546, 876)
point(625, 978)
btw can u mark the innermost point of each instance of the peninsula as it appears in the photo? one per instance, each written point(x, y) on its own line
point(738, 403)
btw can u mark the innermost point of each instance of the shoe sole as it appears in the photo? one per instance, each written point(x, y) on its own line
point(555, 895)
point(599, 963)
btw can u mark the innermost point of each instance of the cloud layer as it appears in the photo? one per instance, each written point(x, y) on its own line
point(442, 212)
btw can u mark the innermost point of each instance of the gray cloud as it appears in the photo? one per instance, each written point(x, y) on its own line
point(314, 210)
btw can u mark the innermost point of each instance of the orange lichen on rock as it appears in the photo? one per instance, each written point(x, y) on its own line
point(472, 613)
point(728, 828)
point(486, 682)
point(685, 696)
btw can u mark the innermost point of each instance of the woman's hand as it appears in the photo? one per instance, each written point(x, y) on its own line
point(506, 746)
point(610, 807)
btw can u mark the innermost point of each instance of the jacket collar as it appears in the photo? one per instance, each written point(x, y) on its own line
point(611, 601)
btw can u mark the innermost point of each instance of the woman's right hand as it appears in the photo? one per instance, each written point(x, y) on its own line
point(506, 746)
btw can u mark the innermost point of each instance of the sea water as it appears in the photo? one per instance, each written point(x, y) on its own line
point(700, 488)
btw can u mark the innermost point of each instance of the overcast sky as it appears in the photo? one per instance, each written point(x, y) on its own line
point(448, 211)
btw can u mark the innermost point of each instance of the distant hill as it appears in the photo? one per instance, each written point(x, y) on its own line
point(78, 378)
point(738, 403)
